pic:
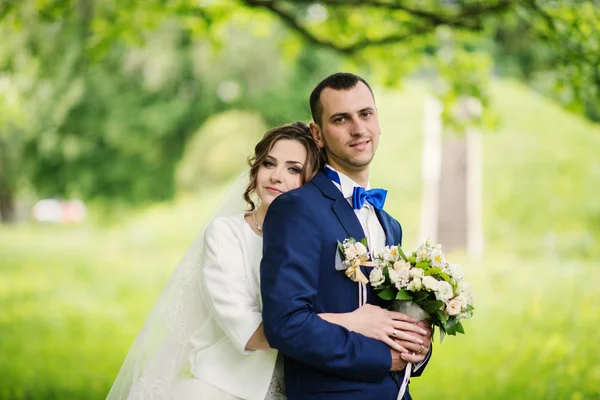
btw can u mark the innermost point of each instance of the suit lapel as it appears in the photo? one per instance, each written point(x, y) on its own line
point(341, 207)
point(386, 223)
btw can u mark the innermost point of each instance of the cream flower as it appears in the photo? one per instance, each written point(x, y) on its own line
point(465, 315)
point(456, 271)
point(453, 307)
point(444, 291)
point(462, 299)
point(465, 290)
point(350, 253)
point(403, 277)
point(376, 277)
point(415, 285)
point(431, 283)
point(393, 275)
point(360, 248)
point(416, 273)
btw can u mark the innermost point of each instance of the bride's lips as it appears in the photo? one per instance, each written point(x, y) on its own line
point(271, 189)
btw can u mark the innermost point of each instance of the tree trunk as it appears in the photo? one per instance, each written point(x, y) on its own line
point(452, 219)
point(7, 204)
point(7, 200)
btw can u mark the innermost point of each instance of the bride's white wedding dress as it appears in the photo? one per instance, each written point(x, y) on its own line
point(231, 291)
point(206, 315)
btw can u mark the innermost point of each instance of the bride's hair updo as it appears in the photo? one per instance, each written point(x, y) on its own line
point(295, 131)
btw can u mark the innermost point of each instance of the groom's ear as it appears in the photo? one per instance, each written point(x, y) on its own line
point(317, 134)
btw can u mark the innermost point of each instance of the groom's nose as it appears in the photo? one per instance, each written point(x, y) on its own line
point(358, 126)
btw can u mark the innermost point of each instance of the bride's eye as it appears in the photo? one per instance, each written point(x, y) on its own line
point(295, 170)
point(268, 163)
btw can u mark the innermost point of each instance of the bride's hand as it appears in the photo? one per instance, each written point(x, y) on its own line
point(384, 325)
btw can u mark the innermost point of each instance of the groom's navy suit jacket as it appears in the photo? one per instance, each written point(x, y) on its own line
point(299, 280)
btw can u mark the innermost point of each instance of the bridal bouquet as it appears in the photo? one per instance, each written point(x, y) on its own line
point(423, 286)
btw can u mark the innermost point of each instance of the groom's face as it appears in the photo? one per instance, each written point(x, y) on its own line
point(349, 129)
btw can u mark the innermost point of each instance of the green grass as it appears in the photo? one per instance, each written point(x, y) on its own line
point(73, 298)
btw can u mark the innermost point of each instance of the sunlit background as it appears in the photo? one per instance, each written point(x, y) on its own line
point(123, 123)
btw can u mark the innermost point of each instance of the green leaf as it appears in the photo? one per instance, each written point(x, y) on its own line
point(434, 270)
point(403, 295)
point(432, 306)
point(402, 253)
point(364, 242)
point(420, 296)
point(341, 248)
point(469, 308)
point(388, 293)
point(460, 328)
point(451, 330)
point(442, 317)
point(423, 265)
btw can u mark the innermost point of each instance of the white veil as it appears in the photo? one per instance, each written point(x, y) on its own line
point(160, 353)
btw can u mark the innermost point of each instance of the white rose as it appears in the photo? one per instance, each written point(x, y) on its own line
point(465, 290)
point(437, 258)
point(403, 269)
point(465, 315)
point(379, 263)
point(401, 264)
point(462, 299)
point(444, 291)
point(415, 285)
point(416, 273)
point(360, 248)
point(453, 307)
point(393, 275)
point(431, 283)
point(456, 271)
point(376, 277)
point(350, 253)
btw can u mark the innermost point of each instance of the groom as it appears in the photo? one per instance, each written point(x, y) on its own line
point(299, 278)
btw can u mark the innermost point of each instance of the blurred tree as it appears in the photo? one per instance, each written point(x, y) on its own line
point(112, 125)
point(115, 95)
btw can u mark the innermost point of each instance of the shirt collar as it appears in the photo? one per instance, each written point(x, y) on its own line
point(346, 185)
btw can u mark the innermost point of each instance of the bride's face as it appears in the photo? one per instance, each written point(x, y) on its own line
point(281, 170)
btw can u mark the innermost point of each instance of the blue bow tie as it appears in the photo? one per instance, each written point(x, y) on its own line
point(374, 196)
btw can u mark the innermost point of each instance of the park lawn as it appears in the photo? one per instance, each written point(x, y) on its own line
point(73, 298)
point(71, 308)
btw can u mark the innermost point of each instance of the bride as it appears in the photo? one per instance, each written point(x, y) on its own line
point(204, 338)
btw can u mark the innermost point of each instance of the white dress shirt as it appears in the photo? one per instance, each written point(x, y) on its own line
point(366, 215)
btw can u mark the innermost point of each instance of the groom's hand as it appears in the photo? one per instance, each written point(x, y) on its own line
point(398, 364)
point(417, 353)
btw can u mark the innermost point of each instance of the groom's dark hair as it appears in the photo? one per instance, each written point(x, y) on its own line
point(338, 81)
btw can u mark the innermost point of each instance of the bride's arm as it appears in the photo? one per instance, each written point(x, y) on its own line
point(371, 321)
point(377, 323)
point(224, 284)
point(258, 341)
